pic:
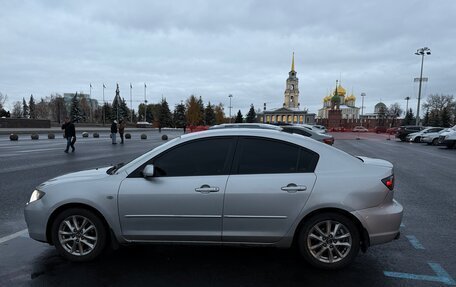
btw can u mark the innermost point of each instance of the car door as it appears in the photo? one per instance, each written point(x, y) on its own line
point(183, 201)
point(270, 183)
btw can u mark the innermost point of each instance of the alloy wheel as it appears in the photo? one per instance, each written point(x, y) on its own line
point(329, 241)
point(78, 235)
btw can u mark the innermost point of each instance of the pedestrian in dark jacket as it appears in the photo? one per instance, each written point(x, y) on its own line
point(69, 134)
point(114, 131)
point(121, 130)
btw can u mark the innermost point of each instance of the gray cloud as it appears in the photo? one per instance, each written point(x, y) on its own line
point(216, 48)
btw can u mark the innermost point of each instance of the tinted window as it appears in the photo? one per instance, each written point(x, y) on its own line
point(260, 156)
point(307, 160)
point(201, 157)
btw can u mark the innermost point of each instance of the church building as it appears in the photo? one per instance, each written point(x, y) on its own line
point(346, 104)
point(290, 111)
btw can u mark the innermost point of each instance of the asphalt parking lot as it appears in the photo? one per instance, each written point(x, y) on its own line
point(423, 256)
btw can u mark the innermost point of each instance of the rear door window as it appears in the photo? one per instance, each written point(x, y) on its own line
point(263, 156)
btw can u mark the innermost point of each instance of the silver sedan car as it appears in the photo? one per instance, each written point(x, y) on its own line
point(255, 187)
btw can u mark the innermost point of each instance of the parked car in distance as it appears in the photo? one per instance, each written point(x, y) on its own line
point(327, 139)
point(143, 125)
point(234, 186)
point(309, 127)
point(392, 130)
point(359, 129)
point(322, 129)
point(448, 138)
point(380, 129)
point(433, 138)
point(416, 136)
point(403, 131)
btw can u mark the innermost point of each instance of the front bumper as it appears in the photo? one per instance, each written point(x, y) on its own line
point(382, 222)
point(36, 220)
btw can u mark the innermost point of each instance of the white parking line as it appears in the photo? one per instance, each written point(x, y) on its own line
point(12, 236)
point(34, 150)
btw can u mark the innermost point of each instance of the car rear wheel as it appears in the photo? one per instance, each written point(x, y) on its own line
point(329, 241)
point(78, 234)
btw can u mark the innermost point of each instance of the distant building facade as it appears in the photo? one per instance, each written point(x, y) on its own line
point(290, 112)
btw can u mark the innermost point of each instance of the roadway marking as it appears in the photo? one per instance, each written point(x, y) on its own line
point(441, 275)
point(35, 150)
point(14, 235)
point(414, 241)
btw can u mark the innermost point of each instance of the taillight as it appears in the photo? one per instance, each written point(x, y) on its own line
point(329, 141)
point(389, 182)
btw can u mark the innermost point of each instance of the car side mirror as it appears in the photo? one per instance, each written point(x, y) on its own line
point(148, 171)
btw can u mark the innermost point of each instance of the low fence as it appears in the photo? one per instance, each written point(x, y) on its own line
point(349, 124)
point(24, 123)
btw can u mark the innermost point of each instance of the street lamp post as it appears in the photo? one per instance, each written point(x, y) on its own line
point(131, 105)
point(230, 96)
point(145, 103)
point(420, 52)
point(104, 106)
point(406, 105)
point(90, 99)
point(362, 106)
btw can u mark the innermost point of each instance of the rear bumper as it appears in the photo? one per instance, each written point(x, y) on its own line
point(382, 222)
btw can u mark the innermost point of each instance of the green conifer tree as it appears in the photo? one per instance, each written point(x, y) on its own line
point(251, 115)
point(239, 118)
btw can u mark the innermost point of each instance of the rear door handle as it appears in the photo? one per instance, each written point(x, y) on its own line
point(292, 188)
point(207, 189)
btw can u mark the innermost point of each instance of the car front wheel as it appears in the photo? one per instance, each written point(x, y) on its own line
point(329, 241)
point(78, 234)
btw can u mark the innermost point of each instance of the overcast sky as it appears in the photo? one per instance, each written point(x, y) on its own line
point(216, 48)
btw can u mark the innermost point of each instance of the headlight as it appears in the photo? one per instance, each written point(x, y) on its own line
point(36, 195)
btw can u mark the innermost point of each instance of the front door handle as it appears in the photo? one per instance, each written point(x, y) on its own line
point(207, 189)
point(292, 188)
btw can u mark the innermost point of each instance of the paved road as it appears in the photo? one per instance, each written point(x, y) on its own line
point(423, 256)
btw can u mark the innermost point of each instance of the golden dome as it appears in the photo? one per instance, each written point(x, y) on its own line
point(351, 98)
point(341, 91)
point(327, 99)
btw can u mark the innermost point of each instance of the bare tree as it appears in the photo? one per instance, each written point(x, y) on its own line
point(442, 109)
point(42, 110)
point(17, 110)
point(3, 99)
point(439, 102)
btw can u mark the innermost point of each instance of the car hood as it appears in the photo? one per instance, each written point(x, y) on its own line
point(84, 175)
point(375, 161)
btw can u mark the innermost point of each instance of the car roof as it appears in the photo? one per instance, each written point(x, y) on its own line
point(246, 125)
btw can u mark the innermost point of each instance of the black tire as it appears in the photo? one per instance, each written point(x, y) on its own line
point(347, 226)
point(99, 231)
point(435, 142)
point(417, 139)
point(451, 144)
